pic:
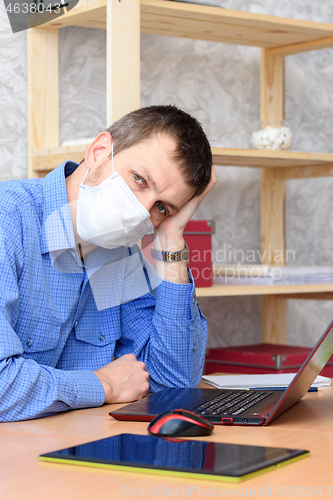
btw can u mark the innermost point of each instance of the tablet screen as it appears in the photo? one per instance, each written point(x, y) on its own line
point(154, 454)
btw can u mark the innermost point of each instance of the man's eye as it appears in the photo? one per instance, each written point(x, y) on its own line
point(161, 208)
point(138, 179)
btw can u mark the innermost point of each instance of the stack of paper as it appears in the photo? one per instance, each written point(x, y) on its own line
point(276, 380)
point(256, 274)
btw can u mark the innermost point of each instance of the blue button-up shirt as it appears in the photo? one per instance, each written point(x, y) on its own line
point(60, 319)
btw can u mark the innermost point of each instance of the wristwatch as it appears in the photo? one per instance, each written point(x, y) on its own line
point(170, 256)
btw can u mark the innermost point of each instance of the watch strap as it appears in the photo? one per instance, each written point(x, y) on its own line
point(170, 256)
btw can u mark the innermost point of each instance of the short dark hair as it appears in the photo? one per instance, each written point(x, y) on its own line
point(192, 150)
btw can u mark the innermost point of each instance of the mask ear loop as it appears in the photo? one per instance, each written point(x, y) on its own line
point(85, 176)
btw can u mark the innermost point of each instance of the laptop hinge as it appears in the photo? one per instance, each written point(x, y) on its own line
point(266, 412)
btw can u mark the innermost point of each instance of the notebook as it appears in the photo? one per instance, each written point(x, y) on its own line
point(241, 407)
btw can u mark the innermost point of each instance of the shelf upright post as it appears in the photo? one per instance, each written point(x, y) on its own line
point(122, 58)
point(272, 197)
point(43, 90)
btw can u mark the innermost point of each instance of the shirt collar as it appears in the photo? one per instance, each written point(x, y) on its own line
point(57, 228)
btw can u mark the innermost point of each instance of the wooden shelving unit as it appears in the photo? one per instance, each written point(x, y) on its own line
point(124, 20)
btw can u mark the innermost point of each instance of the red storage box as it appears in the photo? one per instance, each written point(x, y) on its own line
point(260, 358)
point(198, 236)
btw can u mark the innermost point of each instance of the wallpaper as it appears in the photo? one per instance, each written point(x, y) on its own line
point(219, 85)
point(13, 101)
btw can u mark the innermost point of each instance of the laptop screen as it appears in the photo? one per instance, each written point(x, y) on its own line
point(306, 375)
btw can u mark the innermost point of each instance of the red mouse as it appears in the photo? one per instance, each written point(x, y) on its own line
point(176, 423)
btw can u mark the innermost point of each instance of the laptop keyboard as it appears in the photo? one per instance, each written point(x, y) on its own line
point(228, 403)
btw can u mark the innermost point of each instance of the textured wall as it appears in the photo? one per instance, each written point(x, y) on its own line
point(219, 85)
point(13, 101)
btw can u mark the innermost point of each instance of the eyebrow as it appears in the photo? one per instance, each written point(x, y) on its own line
point(153, 183)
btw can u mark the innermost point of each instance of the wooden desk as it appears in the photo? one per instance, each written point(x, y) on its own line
point(307, 425)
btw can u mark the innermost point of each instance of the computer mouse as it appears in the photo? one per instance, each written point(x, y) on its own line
point(176, 423)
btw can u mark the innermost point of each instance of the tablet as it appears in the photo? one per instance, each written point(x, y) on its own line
point(176, 457)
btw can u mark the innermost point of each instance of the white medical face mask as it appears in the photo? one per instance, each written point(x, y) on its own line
point(110, 215)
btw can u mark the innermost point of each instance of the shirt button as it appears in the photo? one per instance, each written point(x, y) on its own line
point(72, 254)
point(193, 300)
point(75, 324)
point(195, 347)
point(29, 343)
point(101, 337)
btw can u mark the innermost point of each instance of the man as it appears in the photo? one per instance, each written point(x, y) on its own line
point(76, 292)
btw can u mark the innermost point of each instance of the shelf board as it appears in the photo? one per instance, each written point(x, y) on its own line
point(287, 164)
point(200, 22)
point(269, 159)
point(45, 160)
point(292, 291)
point(160, 17)
point(87, 14)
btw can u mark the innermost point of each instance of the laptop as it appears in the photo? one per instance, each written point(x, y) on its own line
point(240, 407)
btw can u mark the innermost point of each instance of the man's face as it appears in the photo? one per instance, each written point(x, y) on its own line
point(153, 176)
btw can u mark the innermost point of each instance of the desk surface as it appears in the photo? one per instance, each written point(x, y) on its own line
point(307, 425)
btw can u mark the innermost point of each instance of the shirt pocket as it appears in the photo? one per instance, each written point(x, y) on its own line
point(101, 330)
point(39, 336)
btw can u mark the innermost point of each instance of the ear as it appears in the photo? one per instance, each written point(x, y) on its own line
point(98, 151)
